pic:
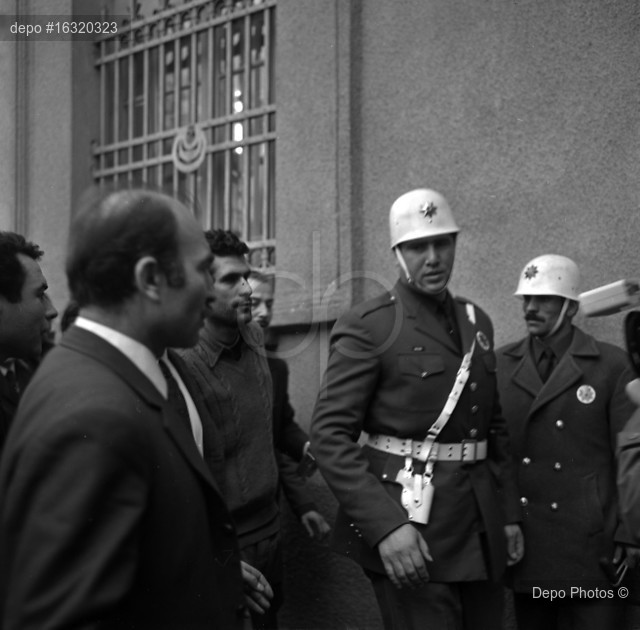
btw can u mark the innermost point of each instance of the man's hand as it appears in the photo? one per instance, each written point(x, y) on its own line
point(257, 591)
point(515, 544)
point(628, 553)
point(633, 391)
point(404, 554)
point(315, 524)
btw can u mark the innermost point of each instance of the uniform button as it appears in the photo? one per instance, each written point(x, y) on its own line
point(228, 527)
point(424, 375)
point(473, 433)
point(524, 501)
point(554, 507)
point(473, 386)
point(559, 424)
point(526, 461)
point(474, 409)
point(557, 466)
point(384, 475)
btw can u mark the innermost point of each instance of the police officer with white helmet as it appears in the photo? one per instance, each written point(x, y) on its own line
point(562, 393)
point(427, 504)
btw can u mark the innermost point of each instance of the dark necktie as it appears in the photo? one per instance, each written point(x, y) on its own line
point(175, 397)
point(546, 364)
point(447, 318)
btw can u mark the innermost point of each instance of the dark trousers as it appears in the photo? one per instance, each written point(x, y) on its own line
point(538, 614)
point(266, 556)
point(439, 606)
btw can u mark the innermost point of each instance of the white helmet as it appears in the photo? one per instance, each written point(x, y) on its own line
point(420, 213)
point(550, 275)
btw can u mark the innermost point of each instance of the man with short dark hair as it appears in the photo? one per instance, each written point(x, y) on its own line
point(26, 313)
point(229, 365)
point(109, 517)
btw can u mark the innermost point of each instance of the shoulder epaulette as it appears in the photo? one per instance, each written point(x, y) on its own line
point(381, 301)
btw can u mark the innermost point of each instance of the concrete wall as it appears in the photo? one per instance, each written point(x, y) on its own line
point(523, 114)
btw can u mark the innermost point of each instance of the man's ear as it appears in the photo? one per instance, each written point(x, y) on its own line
point(148, 277)
point(572, 309)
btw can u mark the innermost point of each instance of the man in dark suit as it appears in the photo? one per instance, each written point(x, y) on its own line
point(290, 440)
point(563, 395)
point(109, 517)
point(26, 314)
point(427, 505)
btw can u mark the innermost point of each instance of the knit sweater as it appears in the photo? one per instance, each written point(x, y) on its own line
point(235, 384)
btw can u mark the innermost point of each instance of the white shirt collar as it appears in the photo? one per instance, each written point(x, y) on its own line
point(136, 352)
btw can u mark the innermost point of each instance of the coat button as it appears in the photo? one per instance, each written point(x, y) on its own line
point(526, 461)
point(473, 386)
point(228, 527)
point(474, 409)
point(554, 507)
point(473, 433)
point(524, 501)
point(557, 466)
point(559, 425)
point(424, 375)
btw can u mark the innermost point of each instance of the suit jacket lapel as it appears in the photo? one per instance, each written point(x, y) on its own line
point(90, 344)
point(568, 371)
point(525, 375)
point(175, 426)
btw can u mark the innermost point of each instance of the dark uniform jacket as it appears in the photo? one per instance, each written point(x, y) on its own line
point(109, 518)
point(391, 368)
point(563, 436)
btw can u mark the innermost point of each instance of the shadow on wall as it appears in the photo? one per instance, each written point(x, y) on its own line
point(324, 590)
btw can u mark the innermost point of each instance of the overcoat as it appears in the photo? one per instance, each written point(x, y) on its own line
point(391, 368)
point(109, 518)
point(563, 437)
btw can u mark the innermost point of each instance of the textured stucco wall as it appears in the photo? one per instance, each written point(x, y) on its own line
point(525, 115)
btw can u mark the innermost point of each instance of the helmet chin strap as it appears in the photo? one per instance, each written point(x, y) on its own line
point(560, 320)
point(403, 264)
point(405, 269)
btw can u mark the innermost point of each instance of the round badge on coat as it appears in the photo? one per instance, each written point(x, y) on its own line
point(483, 342)
point(586, 394)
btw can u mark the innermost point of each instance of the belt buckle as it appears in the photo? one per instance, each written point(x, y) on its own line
point(469, 450)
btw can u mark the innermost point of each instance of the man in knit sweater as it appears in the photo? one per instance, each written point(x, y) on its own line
point(230, 369)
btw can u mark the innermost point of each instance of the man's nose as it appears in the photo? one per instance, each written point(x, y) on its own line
point(431, 254)
point(51, 312)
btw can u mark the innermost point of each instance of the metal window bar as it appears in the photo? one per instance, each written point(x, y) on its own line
point(131, 149)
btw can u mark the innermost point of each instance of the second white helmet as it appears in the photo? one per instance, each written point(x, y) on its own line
point(420, 213)
point(550, 274)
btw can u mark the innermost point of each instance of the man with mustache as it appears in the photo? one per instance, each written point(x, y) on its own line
point(562, 393)
point(26, 313)
point(230, 370)
point(428, 506)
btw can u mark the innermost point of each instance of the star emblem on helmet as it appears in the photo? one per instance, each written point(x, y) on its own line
point(530, 272)
point(429, 210)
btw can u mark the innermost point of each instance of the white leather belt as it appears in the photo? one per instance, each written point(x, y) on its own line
point(465, 451)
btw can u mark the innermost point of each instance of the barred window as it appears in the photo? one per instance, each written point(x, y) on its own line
point(188, 104)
